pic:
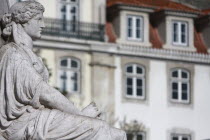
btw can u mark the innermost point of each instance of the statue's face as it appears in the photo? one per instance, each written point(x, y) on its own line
point(34, 26)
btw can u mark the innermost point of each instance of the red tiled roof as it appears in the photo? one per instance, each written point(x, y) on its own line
point(199, 42)
point(206, 11)
point(154, 37)
point(110, 33)
point(157, 4)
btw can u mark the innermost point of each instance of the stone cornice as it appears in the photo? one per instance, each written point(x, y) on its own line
point(124, 49)
point(181, 13)
point(165, 54)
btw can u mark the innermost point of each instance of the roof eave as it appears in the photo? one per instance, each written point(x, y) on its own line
point(181, 13)
point(136, 8)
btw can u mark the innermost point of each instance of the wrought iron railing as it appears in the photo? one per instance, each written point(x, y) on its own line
point(74, 29)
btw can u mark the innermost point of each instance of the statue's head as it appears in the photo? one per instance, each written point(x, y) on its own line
point(29, 14)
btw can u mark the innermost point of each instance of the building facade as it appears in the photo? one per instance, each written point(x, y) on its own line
point(145, 63)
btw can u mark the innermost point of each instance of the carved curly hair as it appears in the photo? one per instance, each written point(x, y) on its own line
point(22, 12)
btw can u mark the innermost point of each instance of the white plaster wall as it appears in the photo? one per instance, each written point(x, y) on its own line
point(50, 8)
point(158, 116)
point(86, 10)
point(202, 102)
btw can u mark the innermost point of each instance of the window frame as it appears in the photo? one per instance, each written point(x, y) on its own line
point(180, 80)
point(134, 76)
point(70, 69)
point(137, 133)
point(179, 33)
point(180, 136)
point(134, 28)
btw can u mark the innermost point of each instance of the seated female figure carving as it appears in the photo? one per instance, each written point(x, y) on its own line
point(30, 109)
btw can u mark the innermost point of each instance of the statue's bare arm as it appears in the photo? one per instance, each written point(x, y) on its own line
point(52, 98)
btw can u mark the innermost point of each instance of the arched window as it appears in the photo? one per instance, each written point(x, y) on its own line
point(180, 85)
point(135, 81)
point(69, 75)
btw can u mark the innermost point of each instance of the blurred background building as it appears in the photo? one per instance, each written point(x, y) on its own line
point(144, 62)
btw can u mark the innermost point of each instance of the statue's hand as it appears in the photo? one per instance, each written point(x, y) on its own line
point(91, 111)
point(21, 38)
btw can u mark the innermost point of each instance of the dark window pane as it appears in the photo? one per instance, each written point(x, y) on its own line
point(129, 91)
point(129, 81)
point(130, 22)
point(174, 95)
point(185, 138)
point(75, 87)
point(139, 137)
point(64, 63)
point(138, 26)
point(139, 82)
point(184, 96)
point(183, 38)
point(139, 70)
point(130, 69)
point(175, 74)
point(129, 33)
point(175, 138)
point(73, 10)
point(74, 64)
point(64, 78)
point(74, 77)
point(175, 33)
point(139, 92)
point(138, 33)
point(137, 23)
point(174, 86)
point(129, 136)
point(64, 22)
point(63, 9)
point(183, 28)
point(184, 87)
point(184, 75)
point(130, 27)
point(74, 80)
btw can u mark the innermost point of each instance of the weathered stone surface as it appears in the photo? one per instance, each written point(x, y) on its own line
point(30, 108)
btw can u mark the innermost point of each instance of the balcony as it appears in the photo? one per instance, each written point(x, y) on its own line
point(74, 29)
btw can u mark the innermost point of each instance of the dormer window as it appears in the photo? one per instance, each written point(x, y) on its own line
point(135, 28)
point(180, 33)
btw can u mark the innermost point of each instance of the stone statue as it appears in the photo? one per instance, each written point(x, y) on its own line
point(30, 109)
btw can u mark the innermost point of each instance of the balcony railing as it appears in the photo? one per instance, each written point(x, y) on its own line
point(74, 29)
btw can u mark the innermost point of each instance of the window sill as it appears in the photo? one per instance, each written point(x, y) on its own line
point(134, 43)
point(180, 102)
point(127, 99)
point(181, 48)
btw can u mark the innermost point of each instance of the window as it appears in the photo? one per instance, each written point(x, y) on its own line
point(135, 81)
point(135, 28)
point(180, 85)
point(180, 137)
point(69, 12)
point(180, 33)
point(136, 136)
point(69, 75)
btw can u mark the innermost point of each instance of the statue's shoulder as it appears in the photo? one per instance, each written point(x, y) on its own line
point(12, 52)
